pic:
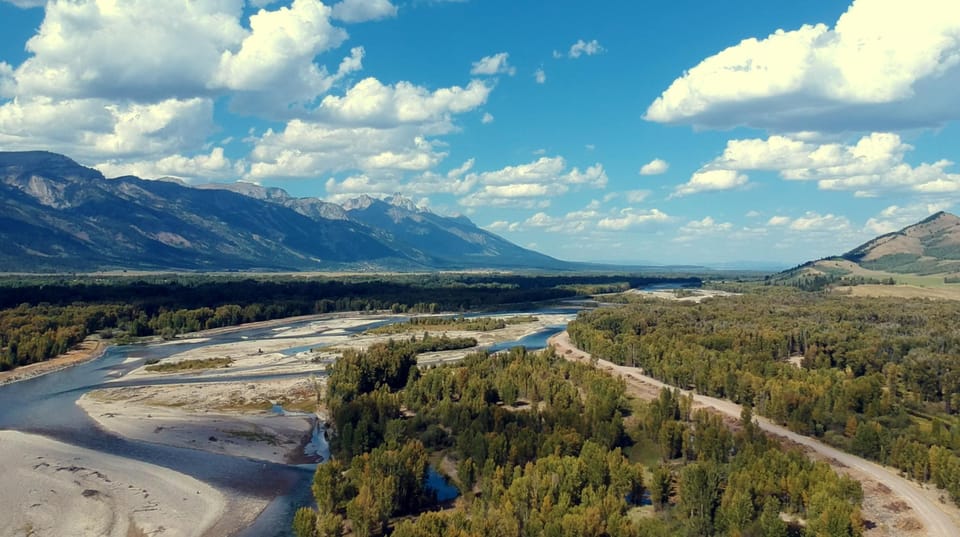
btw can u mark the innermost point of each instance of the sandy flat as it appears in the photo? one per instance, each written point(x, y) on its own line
point(54, 489)
point(230, 418)
point(689, 295)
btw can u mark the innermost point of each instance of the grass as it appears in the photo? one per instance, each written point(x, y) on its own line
point(190, 365)
point(255, 436)
point(479, 324)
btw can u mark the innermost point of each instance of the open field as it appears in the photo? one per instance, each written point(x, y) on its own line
point(943, 292)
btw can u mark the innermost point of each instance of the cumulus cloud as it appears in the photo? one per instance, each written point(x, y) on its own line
point(540, 76)
point(897, 217)
point(201, 167)
point(630, 218)
point(28, 3)
point(710, 180)
point(308, 149)
point(7, 82)
point(655, 167)
point(502, 225)
point(487, 118)
point(581, 48)
point(779, 221)
point(873, 164)
point(636, 196)
point(76, 50)
point(363, 10)
point(545, 177)
point(85, 91)
point(373, 129)
point(884, 65)
point(373, 103)
point(276, 57)
point(697, 229)
point(812, 221)
point(497, 64)
point(94, 129)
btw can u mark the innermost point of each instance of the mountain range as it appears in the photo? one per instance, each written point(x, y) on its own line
point(56, 215)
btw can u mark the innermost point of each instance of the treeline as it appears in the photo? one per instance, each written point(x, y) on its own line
point(536, 446)
point(712, 481)
point(477, 324)
point(41, 317)
point(820, 282)
point(877, 377)
point(520, 429)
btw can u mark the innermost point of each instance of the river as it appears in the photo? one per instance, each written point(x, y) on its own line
point(46, 405)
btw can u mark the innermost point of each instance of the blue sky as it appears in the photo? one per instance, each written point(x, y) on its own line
point(658, 132)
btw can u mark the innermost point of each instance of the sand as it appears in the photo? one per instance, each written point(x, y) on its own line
point(55, 489)
point(226, 418)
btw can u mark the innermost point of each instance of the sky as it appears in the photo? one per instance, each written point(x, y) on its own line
point(684, 132)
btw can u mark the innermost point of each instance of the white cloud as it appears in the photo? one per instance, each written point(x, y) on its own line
point(753, 214)
point(94, 129)
point(545, 177)
point(28, 3)
point(8, 83)
point(581, 48)
point(779, 221)
point(496, 64)
point(370, 102)
point(884, 65)
point(697, 229)
point(86, 91)
point(462, 169)
point(502, 225)
point(76, 50)
point(895, 217)
point(655, 167)
point(363, 10)
point(710, 180)
point(636, 196)
point(355, 185)
point(874, 164)
point(199, 168)
point(540, 76)
point(629, 218)
point(308, 149)
point(276, 58)
point(812, 221)
point(487, 118)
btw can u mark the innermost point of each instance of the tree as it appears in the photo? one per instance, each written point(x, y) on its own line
point(771, 525)
point(305, 522)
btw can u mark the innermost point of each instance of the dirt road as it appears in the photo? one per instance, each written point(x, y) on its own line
point(938, 519)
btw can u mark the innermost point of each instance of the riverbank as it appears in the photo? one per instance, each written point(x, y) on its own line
point(89, 349)
point(55, 489)
point(237, 418)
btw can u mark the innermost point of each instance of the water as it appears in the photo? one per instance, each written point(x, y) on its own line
point(439, 484)
point(46, 405)
point(535, 341)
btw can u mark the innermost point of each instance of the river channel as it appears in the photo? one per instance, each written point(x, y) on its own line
point(46, 405)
